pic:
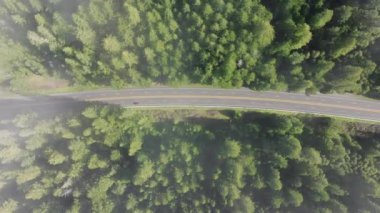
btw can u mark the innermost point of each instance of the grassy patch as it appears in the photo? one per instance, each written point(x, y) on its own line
point(183, 113)
point(304, 115)
point(198, 109)
point(6, 94)
point(37, 83)
point(45, 85)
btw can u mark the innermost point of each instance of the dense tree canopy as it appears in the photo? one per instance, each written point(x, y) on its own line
point(117, 160)
point(272, 44)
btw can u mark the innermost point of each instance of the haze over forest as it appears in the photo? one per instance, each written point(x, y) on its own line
point(107, 159)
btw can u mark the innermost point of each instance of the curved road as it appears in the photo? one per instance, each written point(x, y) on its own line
point(349, 106)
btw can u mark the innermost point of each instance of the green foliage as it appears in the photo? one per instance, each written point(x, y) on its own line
point(225, 43)
point(301, 37)
point(9, 206)
point(135, 146)
point(28, 174)
point(347, 78)
point(343, 13)
point(36, 192)
point(78, 150)
point(291, 147)
point(98, 196)
point(320, 69)
point(115, 155)
point(319, 20)
point(10, 152)
point(96, 163)
point(55, 158)
point(244, 204)
point(131, 202)
point(90, 112)
point(24, 120)
point(231, 150)
point(67, 134)
point(144, 172)
point(342, 47)
point(294, 198)
point(311, 155)
point(111, 44)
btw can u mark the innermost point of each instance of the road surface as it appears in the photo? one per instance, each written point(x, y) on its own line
point(349, 106)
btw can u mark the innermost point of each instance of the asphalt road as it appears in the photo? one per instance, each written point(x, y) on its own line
point(349, 106)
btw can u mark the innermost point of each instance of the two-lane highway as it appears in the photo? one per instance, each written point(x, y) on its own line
point(349, 106)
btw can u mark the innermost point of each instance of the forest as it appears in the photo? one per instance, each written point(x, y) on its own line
point(108, 159)
point(288, 45)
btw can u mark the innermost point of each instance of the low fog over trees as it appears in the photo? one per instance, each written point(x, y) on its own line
point(116, 160)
